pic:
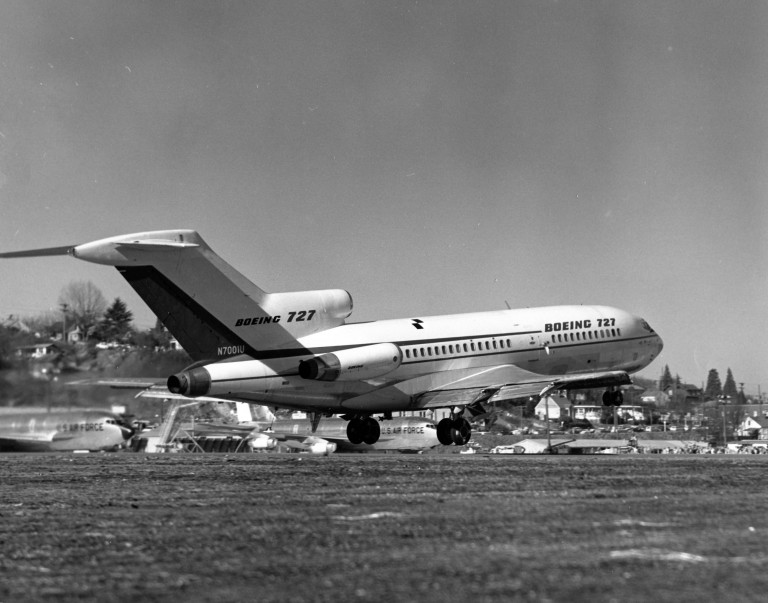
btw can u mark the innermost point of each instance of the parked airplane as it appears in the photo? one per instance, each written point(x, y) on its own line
point(37, 430)
point(296, 350)
point(263, 430)
point(403, 434)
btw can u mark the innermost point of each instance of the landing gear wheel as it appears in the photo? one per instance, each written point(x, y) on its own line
point(372, 430)
point(444, 432)
point(613, 398)
point(460, 432)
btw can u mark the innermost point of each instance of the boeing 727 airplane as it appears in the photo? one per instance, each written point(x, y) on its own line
point(35, 430)
point(297, 350)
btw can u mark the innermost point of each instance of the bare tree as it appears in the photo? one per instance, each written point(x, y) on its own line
point(84, 305)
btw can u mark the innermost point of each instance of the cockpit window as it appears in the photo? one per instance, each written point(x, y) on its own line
point(431, 426)
point(646, 326)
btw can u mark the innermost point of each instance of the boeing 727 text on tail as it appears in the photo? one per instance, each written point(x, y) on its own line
point(297, 350)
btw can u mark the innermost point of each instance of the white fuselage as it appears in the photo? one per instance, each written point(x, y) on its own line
point(398, 434)
point(60, 431)
point(440, 351)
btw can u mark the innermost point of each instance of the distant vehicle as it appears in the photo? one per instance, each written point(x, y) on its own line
point(36, 430)
point(296, 350)
point(504, 450)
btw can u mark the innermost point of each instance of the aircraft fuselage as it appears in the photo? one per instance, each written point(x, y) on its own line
point(435, 352)
point(60, 431)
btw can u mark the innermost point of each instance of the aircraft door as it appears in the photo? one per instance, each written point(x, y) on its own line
point(533, 350)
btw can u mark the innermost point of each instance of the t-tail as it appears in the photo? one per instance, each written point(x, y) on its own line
point(209, 307)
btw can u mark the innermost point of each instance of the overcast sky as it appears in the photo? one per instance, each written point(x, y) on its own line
point(429, 157)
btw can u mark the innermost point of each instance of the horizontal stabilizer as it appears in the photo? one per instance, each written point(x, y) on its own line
point(35, 253)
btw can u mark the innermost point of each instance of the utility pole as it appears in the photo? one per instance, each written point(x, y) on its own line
point(64, 308)
point(724, 401)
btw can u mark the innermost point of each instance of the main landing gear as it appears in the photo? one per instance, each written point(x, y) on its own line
point(613, 397)
point(454, 430)
point(363, 429)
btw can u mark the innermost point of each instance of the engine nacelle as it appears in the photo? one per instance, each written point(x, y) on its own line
point(322, 447)
point(191, 383)
point(262, 441)
point(354, 364)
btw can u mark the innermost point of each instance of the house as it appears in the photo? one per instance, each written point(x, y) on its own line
point(594, 413)
point(555, 408)
point(74, 334)
point(753, 425)
point(655, 397)
point(16, 324)
point(40, 351)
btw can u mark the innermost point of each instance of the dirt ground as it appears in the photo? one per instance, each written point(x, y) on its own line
point(266, 527)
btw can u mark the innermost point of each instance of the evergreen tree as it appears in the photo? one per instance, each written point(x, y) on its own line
point(729, 387)
point(116, 324)
point(714, 388)
point(666, 379)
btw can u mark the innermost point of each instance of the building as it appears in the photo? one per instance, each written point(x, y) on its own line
point(753, 425)
point(655, 397)
point(594, 413)
point(556, 408)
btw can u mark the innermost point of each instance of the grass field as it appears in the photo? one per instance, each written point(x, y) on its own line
point(383, 528)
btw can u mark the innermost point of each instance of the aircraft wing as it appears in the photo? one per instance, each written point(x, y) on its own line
point(312, 444)
point(457, 388)
point(150, 388)
point(121, 382)
point(32, 438)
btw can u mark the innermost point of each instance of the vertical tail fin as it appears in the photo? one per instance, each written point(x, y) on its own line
point(213, 310)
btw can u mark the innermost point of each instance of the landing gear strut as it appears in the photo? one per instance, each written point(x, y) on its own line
point(363, 429)
point(455, 430)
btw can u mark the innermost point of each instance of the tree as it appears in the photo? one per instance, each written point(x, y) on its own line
point(714, 388)
point(84, 304)
point(116, 324)
point(729, 387)
point(666, 379)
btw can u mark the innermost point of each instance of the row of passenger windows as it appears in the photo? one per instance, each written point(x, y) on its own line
point(502, 344)
point(585, 335)
point(458, 348)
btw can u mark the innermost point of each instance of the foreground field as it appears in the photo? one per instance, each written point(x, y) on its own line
point(383, 528)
